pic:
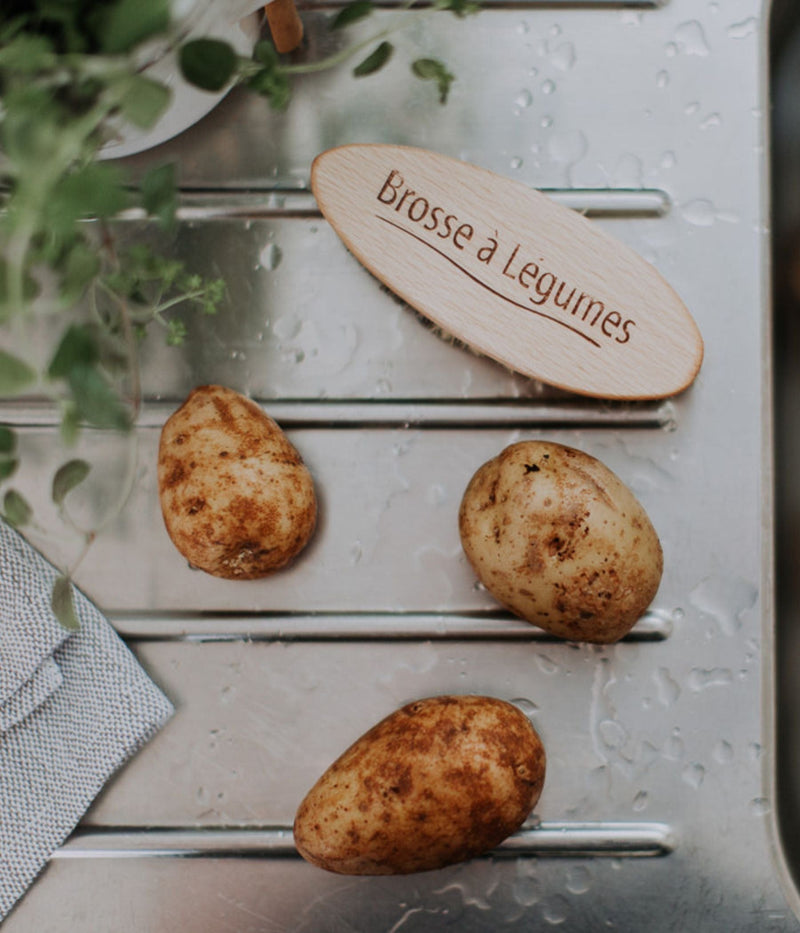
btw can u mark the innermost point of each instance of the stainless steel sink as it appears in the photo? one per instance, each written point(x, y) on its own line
point(673, 793)
point(786, 242)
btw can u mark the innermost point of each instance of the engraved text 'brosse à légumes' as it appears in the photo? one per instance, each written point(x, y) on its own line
point(582, 313)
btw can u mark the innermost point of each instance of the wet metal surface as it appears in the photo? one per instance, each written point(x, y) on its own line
point(660, 809)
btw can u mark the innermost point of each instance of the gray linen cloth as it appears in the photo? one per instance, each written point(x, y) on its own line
point(73, 708)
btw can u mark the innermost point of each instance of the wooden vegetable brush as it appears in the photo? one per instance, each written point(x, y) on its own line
point(510, 272)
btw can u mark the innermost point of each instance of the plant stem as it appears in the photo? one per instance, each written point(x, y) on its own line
point(339, 58)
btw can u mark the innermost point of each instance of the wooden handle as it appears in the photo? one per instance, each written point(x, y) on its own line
point(285, 25)
point(510, 272)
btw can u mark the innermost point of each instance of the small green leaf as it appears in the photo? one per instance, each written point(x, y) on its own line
point(95, 400)
point(266, 54)
point(15, 374)
point(79, 268)
point(207, 63)
point(30, 119)
point(375, 60)
point(144, 100)
point(352, 13)
point(176, 333)
point(16, 510)
point(124, 24)
point(8, 440)
point(431, 69)
point(461, 8)
point(63, 605)
point(94, 190)
point(159, 195)
point(8, 467)
point(67, 477)
point(30, 289)
point(77, 348)
point(273, 85)
point(27, 53)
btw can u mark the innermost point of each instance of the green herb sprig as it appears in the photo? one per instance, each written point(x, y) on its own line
point(69, 73)
point(212, 63)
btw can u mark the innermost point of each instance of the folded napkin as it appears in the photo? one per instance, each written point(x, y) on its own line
point(73, 708)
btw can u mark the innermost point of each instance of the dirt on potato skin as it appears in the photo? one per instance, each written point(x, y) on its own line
point(440, 781)
point(237, 500)
point(560, 541)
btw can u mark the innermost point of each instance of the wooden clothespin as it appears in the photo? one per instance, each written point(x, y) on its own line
point(285, 25)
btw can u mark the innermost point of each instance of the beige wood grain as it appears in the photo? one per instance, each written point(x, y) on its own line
point(511, 273)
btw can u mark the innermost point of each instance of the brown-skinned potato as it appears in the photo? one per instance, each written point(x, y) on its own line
point(238, 501)
point(558, 539)
point(440, 781)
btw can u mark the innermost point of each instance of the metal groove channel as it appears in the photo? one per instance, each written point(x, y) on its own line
point(341, 413)
point(586, 5)
point(548, 839)
point(221, 204)
point(360, 626)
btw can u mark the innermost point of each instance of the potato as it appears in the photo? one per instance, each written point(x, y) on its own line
point(237, 499)
point(559, 540)
point(437, 782)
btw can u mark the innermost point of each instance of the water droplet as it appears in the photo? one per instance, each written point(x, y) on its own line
point(759, 806)
point(528, 707)
point(699, 213)
point(674, 747)
point(691, 108)
point(640, 801)
point(629, 172)
point(631, 18)
point(694, 775)
point(756, 750)
point(554, 909)
point(662, 79)
point(613, 733)
point(691, 38)
point(548, 86)
point(597, 781)
point(678, 615)
point(527, 891)
point(546, 122)
point(647, 754)
point(356, 553)
point(546, 665)
point(227, 694)
point(670, 50)
point(516, 162)
point(712, 120)
point(270, 257)
point(555, 30)
point(668, 688)
point(726, 600)
point(743, 29)
point(567, 148)
point(723, 752)
point(579, 880)
point(523, 29)
point(524, 98)
point(564, 56)
point(437, 495)
point(668, 160)
point(701, 679)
